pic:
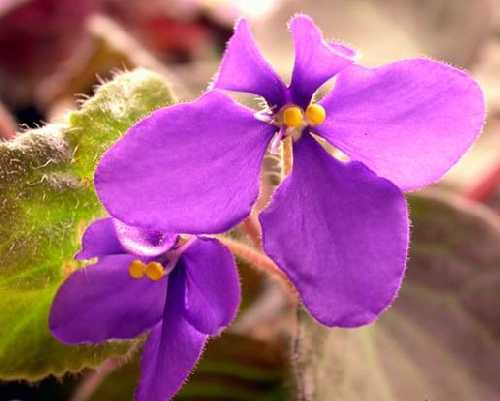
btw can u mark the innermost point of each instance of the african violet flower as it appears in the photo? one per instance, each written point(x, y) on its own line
point(339, 230)
point(182, 291)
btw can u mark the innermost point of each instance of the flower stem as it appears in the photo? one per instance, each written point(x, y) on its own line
point(257, 259)
point(252, 229)
point(286, 157)
point(93, 380)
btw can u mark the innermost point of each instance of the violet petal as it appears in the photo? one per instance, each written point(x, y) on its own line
point(345, 50)
point(408, 121)
point(143, 242)
point(243, 69)
point(212, 285)
point(315, 60)
point(102, 302)
point(340, 233)
point(188, 168)
point(171, 350)
point(99, 239)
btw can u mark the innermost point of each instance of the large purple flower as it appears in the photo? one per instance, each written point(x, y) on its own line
point(339, 230)
point(182, 292)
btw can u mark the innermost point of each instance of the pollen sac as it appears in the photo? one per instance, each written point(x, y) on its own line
point(154, 271)
point(137, 269)
point(315, 114)
point(292, 116)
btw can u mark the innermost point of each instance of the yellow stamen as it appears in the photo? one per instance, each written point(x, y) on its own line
point(154, 271)
point(292, 116)
point(137, 269)
point(315, 114)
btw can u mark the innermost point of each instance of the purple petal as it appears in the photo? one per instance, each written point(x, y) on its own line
point(102, 302)
point(189, 168)
point(99, 239)
point(408, 121)
point(340, 233)
point(212, 285)
point(344, 50)
point(143, 242)
point(243, 69)
point(315, 60)
point(171, 351)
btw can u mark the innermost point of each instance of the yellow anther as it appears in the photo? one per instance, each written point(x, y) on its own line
point(137, 269)
point(292, 116)
point(315, 114)
point(154, 271)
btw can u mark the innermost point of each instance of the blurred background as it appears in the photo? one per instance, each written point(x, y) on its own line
point(441, 340)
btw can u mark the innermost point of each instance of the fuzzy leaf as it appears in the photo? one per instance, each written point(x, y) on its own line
point(115, 107)
point(441, 338)
point(46, 200)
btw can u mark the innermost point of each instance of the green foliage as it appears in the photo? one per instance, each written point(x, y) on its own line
point(114, 108)
point(46, 200)
point(441, 338)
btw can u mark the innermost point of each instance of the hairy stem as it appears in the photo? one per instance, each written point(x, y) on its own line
point(93, 380)
point(252, 229)
point(302, 360)
point(257, 259)
point(286, 157)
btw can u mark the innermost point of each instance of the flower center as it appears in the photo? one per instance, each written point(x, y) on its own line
point(153, 270)
point(293, 116)
point(315, 114)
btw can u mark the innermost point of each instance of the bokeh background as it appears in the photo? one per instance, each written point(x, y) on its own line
point(440, 341)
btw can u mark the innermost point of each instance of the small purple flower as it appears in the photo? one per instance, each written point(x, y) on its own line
point(181, 291)
point(339, 230)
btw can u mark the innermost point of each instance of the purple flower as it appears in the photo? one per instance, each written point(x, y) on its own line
point(182, 292)
point(339, 230)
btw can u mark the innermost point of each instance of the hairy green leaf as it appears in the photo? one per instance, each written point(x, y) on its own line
point(46, 201)
point(441, 338)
